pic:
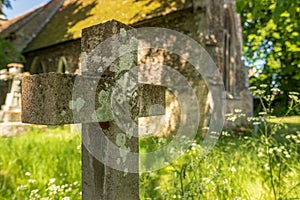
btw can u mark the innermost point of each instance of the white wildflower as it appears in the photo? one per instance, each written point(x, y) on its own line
point(225, 181)
point(31, 181)
point(263, 85)
point(52, 180)
point(232, 169)
point(237, 110)
point(27, 174)
point(294, 93)
point(266, 166)
point(22, 187)
point(275, 90)
point(260, 154)
point(294, 97)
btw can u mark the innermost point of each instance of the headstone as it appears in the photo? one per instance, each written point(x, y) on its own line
point(108, 172)
point(12, 107)
point(4, 86)
point(10, 113)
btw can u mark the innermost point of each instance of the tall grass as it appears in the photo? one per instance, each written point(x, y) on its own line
point(235, 169)
point(47, 165)
point(41, 165)
point(262, 165)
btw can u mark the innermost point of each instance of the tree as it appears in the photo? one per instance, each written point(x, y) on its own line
point(271, 44)
point(8, 53)
point(5, 3)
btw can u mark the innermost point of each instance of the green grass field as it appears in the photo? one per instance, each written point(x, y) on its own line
point(47, 165)
point(237, 168)
point(41, 164)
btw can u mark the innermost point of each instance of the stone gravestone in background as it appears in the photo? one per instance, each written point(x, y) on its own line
point(63, 99)
point(4, 85)
point(10, 113)
point(12, 105)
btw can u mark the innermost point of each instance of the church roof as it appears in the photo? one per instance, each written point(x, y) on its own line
point(22, 29)
point(74, 15)
point(10, 25)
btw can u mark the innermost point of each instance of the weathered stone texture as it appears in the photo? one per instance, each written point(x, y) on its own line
point(56, 98)
point(193, 24)
point(45, 98)
point(109, 183)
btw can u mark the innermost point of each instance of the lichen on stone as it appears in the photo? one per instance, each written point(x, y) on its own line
point(104, 112)
point(125, 171)
point(121, 139)
point(123, 32)
point(63, 113)
point(121, 142)
point(77, 105)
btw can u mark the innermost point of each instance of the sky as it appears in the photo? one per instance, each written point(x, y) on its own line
point(21, 6)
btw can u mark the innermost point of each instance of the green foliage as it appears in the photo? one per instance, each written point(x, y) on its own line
point(5, 3)
point(237, 168)
point(8, 54)
point(277, 147)
point(41, 165)
point(262, 165)
point(271, 31)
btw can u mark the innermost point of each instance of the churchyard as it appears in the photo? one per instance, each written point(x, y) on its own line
point(48, 165)
point(124, 126)
point(256, 162)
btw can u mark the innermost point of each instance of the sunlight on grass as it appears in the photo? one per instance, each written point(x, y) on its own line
point(41, 165)
point(237, 168)
point(47, 165)
point(287, 120)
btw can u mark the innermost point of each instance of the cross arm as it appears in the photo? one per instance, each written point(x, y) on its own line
point(56, 99)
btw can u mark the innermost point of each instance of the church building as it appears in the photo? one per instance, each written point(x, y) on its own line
point(49, 36)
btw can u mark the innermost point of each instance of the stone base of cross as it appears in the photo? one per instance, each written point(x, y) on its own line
point(107, 100)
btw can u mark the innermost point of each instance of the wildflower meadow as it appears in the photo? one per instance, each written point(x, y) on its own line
point(257, 162)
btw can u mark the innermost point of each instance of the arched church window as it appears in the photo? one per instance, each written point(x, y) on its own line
point(37, 66)
point(229, 67)
point(226, 63)
point(62, 66)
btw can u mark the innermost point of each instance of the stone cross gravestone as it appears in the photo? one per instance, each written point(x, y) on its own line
point(108, 172)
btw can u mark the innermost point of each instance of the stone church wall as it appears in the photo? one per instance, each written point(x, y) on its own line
point(49, 59)
point(210, 26)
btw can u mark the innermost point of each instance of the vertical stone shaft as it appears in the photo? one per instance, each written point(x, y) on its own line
point(98, 180)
